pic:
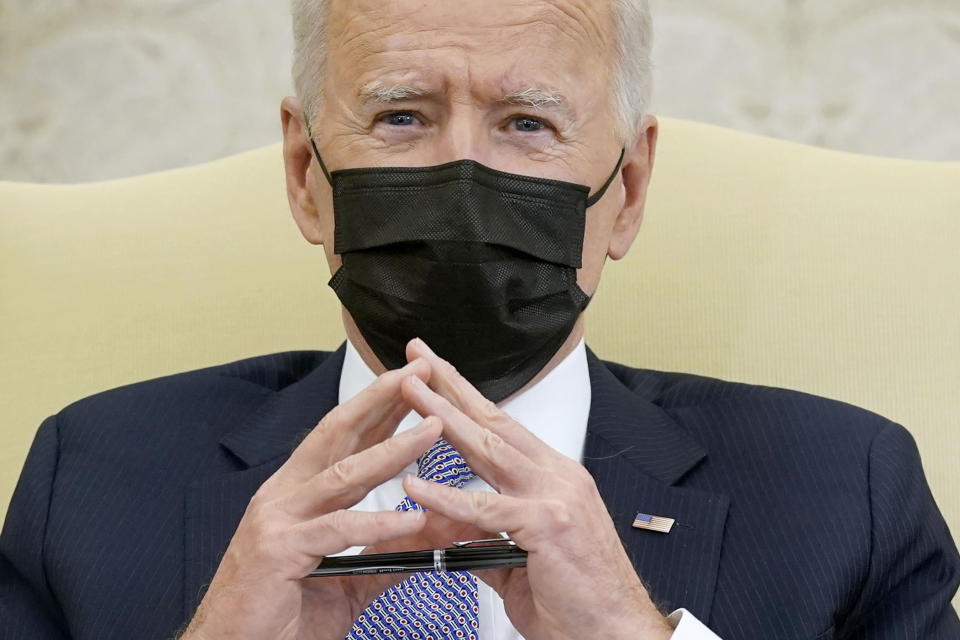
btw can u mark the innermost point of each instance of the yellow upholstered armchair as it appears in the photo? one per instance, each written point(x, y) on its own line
point(759, 260)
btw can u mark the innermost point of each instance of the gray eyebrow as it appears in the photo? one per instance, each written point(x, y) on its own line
point(536, 98)
point(383, 94)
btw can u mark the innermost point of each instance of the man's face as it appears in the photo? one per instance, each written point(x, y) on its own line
point(521, 86)
point(423, 82)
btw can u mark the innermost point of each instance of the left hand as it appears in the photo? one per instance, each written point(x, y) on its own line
point(578, 582)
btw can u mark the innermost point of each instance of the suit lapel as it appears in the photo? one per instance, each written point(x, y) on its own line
point(215, 505)
point(637, 453)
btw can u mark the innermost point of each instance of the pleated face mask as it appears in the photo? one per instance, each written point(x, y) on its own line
point(478, 263)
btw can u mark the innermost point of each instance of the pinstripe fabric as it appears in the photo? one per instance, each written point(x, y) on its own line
point(797, 517)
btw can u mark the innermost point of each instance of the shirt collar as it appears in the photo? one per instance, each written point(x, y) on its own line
point(555, 409)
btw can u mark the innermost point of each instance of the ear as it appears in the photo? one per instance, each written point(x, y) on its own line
point(300, 171)
point(636, 171)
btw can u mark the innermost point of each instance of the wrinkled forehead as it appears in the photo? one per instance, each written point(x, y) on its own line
point(565, 44)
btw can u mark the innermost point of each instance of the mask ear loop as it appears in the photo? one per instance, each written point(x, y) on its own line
point(595, 198)
point(316, 153)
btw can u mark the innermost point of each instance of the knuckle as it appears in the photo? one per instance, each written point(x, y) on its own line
point(262, 518)
point(383, 520)
point(340, 473)
point(481, 500)
point(260, 497)
point(479, 504)
point(261, 535)
point(558, 514)
point(451, 371)
point(329, 423)
point(264, 533)
point(261, 511)
point(270, 543)
point(382, 381)
point(490, 412)
point(389, 447)
point(386, 380)
point(502, 422)
point(581, 476)
point(491, 441)
point(338, 522)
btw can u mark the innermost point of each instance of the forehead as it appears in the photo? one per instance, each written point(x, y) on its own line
point(503, 44)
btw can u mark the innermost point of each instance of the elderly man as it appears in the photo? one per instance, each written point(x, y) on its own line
point(468, 168)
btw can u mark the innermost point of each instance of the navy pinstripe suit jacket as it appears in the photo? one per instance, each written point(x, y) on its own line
point(797, 517)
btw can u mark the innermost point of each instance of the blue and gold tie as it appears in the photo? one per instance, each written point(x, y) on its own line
point(433, 605)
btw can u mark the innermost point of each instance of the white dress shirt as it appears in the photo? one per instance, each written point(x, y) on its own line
point(556, 411)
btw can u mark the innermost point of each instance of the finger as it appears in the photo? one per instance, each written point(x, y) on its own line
point(368, 418)
point(447, 381)
point(489, 455)
point(346, 482)
point(438, 532)
point(334, 532)
point(482, 509)
point(497, 579)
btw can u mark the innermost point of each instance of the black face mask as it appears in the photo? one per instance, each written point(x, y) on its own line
point(478, 263)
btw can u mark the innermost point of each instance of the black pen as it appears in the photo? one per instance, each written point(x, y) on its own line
point(472, 555)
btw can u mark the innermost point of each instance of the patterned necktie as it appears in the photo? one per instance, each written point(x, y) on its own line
point(432, 605)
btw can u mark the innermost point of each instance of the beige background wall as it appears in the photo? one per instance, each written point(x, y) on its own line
point(93, 89)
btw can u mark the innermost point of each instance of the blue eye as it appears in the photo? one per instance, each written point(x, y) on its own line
point(527, 125)
point(400, 119)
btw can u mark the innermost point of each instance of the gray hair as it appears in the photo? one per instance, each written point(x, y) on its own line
point(632, 68)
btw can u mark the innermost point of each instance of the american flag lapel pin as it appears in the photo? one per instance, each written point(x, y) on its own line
point(653, 523)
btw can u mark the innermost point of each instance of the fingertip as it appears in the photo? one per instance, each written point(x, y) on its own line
point(413, 349)
point(413, 384)
point(418, 367)
point(417, 347)
point(433, 424)
point(407, 392)
point(412, 364)
point(405, 483)
point(413, 516)
point(412, 482)
point(424, 348)
point(423, 370)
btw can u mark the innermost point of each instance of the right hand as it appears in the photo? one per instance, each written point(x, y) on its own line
point(299, 515)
